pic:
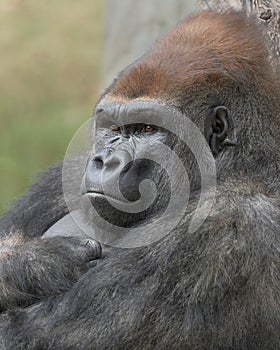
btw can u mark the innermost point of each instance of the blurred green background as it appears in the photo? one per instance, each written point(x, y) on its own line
point(50, 63)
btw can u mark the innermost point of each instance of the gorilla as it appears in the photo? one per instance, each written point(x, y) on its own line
point(181, 187)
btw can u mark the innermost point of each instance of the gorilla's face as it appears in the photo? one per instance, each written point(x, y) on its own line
point(148, 159)
point(126, 153)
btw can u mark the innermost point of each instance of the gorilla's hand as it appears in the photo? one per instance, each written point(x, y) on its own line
point(34, 269)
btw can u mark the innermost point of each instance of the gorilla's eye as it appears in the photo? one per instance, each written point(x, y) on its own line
point(115, 128)
point(148, 128)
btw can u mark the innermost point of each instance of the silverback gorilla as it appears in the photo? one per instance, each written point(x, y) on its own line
point(216, 287)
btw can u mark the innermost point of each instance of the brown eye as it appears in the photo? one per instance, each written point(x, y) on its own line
point(148, 128)
point(115, 128)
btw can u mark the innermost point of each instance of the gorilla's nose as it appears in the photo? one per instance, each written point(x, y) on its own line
point(106, 158)
point(104, 168)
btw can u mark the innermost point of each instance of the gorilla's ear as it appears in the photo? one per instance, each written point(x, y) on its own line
point(219, 129)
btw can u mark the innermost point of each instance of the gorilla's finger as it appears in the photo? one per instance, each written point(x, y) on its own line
point(93, 248)
point(91, 264)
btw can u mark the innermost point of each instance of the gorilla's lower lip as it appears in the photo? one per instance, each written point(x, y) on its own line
point(96, 194)
point(101, 195)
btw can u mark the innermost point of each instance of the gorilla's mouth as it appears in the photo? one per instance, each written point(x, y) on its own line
point(91, 195)
point(99, 198)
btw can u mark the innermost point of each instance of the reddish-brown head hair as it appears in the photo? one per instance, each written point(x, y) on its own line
point(206, 51)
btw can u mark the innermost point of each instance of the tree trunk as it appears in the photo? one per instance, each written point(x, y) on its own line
point(131, 26)
point(267, 11)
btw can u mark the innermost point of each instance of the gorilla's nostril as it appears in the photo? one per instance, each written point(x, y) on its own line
point(98, 110)
point(98, 161)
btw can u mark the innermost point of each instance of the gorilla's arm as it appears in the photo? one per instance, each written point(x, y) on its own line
point(39, 209)
point(32, 268)
point(217, 287)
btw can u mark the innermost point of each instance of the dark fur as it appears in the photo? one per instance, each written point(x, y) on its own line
point(31, 216)
point(217, 288)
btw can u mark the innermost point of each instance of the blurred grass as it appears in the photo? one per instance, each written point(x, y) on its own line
point(49, 81)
